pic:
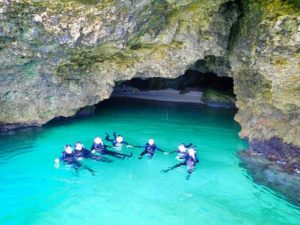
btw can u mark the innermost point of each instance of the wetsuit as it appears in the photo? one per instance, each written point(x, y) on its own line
point(189, 161)
point(150, 150)
point(84, 153)
point(102, 149)
point(70, 159)
point(182, 155)
point(114, 141)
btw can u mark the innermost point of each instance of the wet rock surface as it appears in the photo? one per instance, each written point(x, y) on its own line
point(275, 172)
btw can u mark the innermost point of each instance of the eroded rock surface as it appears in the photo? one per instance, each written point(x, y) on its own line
point(266, 67)
point(58, 56)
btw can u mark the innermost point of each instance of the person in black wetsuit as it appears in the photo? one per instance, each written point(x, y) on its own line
point(150, 148)
point(81, 152)
point(181, 151)
point(190, 161)
point(101, 148)
point(117, 141)
point(68, 157)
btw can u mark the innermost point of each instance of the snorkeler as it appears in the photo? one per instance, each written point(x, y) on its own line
point(190, 161)
point(118, 140)
point(81, 152)
point(68, 157)
point(150, 148)
point(100, 147)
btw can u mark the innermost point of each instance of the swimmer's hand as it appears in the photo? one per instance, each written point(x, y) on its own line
point(56, 163)
point(166, 153)
point(93, 151)
point(80, 158)
point(129, 146)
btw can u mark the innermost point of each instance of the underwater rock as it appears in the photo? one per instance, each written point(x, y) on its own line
point(268, 169)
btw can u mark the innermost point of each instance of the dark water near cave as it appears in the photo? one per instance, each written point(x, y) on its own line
point(134, 191)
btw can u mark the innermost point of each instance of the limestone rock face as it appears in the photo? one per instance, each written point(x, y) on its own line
point(265, 62)
point(57, 56)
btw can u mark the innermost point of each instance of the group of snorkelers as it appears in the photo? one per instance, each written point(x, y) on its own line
point(186, 154)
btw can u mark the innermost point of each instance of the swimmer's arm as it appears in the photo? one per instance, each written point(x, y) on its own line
point(127, 144)
point(159, 149)
point(107, 138)
point(172, 151)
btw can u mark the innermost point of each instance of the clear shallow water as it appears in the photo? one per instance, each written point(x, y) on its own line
point(134, 191)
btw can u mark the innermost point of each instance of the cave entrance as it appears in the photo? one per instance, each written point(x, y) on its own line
point(192, 87)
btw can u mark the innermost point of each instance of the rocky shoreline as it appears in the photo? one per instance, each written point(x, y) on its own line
point(276, 165)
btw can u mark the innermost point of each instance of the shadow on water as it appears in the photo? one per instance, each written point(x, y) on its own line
point(141, 105)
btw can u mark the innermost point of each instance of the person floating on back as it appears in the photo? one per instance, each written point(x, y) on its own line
point(68, 157)
point(150, 148)
point(117, 141)
point(81, 152)
point(181, 151)
point(190, 161)
point(101, 148)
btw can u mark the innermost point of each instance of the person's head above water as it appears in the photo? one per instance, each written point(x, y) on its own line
point(151, 141)
point(192, 152)
point(78, 146)
point(182, 148)
point(119, 139)
point(98, 140)
point(68, 149)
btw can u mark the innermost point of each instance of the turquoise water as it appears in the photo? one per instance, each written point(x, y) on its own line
point(134, 191)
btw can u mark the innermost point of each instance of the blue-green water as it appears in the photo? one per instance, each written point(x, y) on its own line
point(134, 191)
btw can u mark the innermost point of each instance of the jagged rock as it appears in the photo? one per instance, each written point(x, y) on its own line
point(266, 70)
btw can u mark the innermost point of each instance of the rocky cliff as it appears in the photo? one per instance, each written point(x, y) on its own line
point(266, 67)
point(57, 56)
point(265, 62)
